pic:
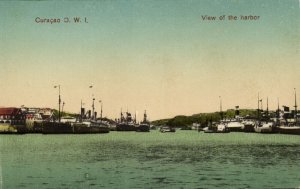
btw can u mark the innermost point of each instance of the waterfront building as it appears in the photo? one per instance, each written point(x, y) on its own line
point(12, 115)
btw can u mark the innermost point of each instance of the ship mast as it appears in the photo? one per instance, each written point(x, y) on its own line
point(267, 107)
point(295, 106)
point(221, 112)
point(81, 111)
point(59, 102)
point(62, 109)
point(93, 106)
point(258, 107)
point(121, 120)
point(101, 110)
point(278, 113)
point(145, 117)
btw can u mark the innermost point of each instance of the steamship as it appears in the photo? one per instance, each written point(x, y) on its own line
point(86, 124)
point(291, 124)
point(126, 123)
point(144, 126)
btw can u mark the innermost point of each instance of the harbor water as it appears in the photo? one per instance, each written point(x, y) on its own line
point(184, 159)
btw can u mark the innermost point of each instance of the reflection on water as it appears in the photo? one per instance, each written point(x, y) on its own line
point(183, 159)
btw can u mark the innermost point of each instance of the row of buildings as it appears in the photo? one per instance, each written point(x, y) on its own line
point(24, 115)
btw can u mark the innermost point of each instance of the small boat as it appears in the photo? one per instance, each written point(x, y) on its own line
point(267, 127)
point(166, 129)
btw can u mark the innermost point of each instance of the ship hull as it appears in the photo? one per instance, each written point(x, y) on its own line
point(82, 129)
point(235, 129)
point(249, 129)
point(57, 128)
point(265, 130)
point(289, 130)
point(66, 128)
point(125, 127)
point(143, 128)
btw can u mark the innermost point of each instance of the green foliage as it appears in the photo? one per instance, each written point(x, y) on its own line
point(160, 122)
point(185, 122)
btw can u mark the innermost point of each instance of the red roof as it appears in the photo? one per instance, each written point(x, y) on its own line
point(9, 111)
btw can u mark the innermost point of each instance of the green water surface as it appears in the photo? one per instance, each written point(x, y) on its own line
point(185, 159)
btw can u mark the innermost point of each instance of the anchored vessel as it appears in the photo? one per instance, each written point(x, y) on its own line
point(126, 123)
point(292, 126)
point(86, 124)
point(144, 126)
point(166, 129)
point(221, 127)
point(263, 123)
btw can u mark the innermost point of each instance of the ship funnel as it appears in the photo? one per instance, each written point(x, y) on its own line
point(89, 113)
point(82, 112)
point(237, 111)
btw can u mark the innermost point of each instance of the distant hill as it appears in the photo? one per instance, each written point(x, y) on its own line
point(183, 121)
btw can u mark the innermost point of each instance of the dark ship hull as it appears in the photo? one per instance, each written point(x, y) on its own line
point(294, 130)
point(129, 124)
point(57, 128)
point(83, 129)
point(125, 127)
point(143, 128)
point(67, 128)
point(21, 129)
point(249, 129)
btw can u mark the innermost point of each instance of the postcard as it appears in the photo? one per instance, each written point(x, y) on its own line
point(149, 94)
